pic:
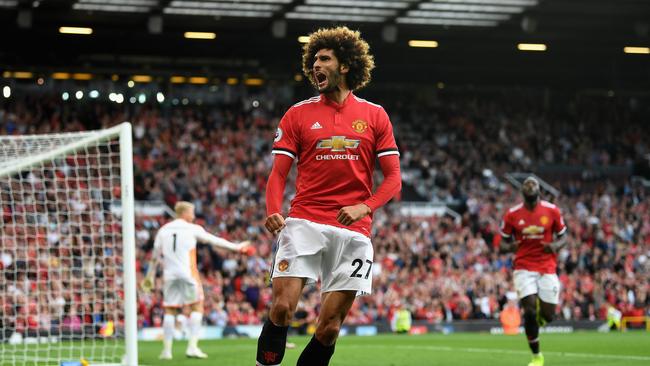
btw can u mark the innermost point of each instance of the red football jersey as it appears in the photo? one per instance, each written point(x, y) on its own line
point(532, 229)
point(336, 146)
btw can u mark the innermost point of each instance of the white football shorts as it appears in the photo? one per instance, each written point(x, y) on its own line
point(546, 286)
point(341, 258)
point(180, 292)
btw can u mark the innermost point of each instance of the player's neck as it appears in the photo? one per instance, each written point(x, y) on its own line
point(531, 205)
point(339, 94)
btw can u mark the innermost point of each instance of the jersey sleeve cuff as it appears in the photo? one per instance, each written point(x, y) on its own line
point(286, 152)
point(504, 234)
point(384, 152)
point(562, 232)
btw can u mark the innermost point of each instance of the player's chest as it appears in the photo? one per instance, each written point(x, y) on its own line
point(537, 223)
point(337, 131)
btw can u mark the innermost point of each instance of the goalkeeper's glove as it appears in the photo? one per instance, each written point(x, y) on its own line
point(147, 284)
point(246, 248)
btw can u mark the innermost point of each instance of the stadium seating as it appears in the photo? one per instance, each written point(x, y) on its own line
point(219, 156)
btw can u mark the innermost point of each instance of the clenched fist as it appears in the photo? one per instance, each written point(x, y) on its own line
point(274, 223)
point(348, 215)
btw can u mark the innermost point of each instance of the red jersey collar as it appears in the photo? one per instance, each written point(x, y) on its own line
point(348, 100)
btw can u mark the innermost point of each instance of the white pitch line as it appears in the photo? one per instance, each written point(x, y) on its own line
point(507, 351)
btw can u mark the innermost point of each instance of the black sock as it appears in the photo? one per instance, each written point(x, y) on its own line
point(316, 354)
point(532, 331)
point(534, 345)
point(271, 344)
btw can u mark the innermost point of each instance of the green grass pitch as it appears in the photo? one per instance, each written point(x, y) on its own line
point(460, 349)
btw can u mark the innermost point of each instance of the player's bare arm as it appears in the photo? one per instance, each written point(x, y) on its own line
point(508, 244)
point(348, 215)
point(555, 246)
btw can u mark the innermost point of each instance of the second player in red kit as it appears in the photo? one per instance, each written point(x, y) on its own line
point(536, 229)
point(336, 139)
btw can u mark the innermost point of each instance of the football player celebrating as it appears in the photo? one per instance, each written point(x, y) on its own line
point(336, 138)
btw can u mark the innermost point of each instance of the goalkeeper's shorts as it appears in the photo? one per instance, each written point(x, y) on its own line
point(180, 292)
point(340, 258)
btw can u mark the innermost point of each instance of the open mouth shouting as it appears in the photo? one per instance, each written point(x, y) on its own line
point(321, 79)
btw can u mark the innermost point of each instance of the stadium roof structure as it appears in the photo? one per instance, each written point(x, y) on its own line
point(574, 42)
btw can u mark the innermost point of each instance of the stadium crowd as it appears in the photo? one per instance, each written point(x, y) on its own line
point(442, 268)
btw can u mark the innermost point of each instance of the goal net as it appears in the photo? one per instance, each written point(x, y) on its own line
point(67, 261)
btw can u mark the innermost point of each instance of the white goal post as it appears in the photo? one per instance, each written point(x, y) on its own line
point(67, 261)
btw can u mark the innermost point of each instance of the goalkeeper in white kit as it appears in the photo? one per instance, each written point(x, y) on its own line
point(176, 241)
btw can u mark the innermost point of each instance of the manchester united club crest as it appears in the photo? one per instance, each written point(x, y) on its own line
point(360, 126)
point(283, 265)
point(544, 220)
point(269, 356)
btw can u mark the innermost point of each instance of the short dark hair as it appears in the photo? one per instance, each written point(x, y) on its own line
point(350, 50)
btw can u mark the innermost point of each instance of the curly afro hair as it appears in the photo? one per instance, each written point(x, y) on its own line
point(350, 50)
